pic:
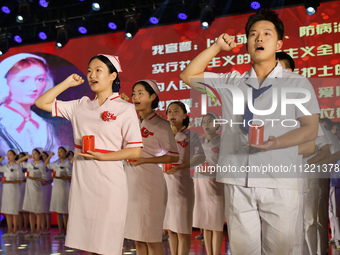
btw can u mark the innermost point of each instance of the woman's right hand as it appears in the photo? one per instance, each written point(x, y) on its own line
point(74, 80)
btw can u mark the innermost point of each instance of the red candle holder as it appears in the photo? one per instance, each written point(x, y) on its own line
point(53, 174)
point(3, 179)
point(87, 143)
point(168, 166)
point(27, 174)
point(255, 135)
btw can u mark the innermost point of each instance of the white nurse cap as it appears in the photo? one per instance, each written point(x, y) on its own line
point(41, 150)
point(15, 151)
point(114, 61)
point(153, 85)
point(66, 147)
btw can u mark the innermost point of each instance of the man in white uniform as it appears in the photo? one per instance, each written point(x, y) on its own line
point(261, 207)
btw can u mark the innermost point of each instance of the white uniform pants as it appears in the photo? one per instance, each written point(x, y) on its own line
point(310, 217)
point(261, 221)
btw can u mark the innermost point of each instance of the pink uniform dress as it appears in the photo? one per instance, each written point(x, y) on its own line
point(98, 194)
point(179, 209)
point(147, 187)
point(11, 191)
point(209, 194)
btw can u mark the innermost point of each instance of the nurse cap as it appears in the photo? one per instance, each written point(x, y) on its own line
point(153, 85)
point(215, 115)
point(15, 151)
point(114, 61)
point(39, 149)
point(66, 147)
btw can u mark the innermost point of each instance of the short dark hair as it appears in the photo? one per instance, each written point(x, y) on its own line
point(182, 105)
point(328, 122)
point(287, 58)
point(112, 69)
point(150, 90)
point(264, 14)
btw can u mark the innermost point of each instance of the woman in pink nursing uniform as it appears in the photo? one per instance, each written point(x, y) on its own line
point(179, 209)
point(209, 194)
point(98, 194)
point(147, 187)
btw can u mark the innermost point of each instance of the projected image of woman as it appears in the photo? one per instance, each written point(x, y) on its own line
point(23, 78)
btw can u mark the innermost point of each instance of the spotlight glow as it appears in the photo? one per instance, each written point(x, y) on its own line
point(20, 19)
point(95, 6)
point(310, 10)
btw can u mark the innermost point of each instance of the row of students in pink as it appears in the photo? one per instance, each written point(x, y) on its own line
point(179, 210)
point(146, 184)
point(209, 194)
point(98, 195)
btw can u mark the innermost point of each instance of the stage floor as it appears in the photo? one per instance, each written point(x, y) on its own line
point(46, 245)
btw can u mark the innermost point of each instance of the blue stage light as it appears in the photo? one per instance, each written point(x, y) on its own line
point(153, 20)
point(82, 30)
point(182, 16)
point(255, 5)
point(5, 9)
point(112, 25)
point(18, 38)
point(42, 36)
point(43, 3)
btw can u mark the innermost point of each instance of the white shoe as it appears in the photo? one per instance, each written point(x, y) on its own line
point(199, 237)
point(29, 235)
point(36, 235)
point(62, 236)
point(7, 235)
point(14, 235)
point(337, 244)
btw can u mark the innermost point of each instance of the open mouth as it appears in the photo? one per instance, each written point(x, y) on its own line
point(137, 103)
point(93, 82)
point(172, 119)
point(259, 48)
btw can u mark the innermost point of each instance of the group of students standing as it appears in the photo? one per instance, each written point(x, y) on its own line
point(119, 189)
point(28, 195)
